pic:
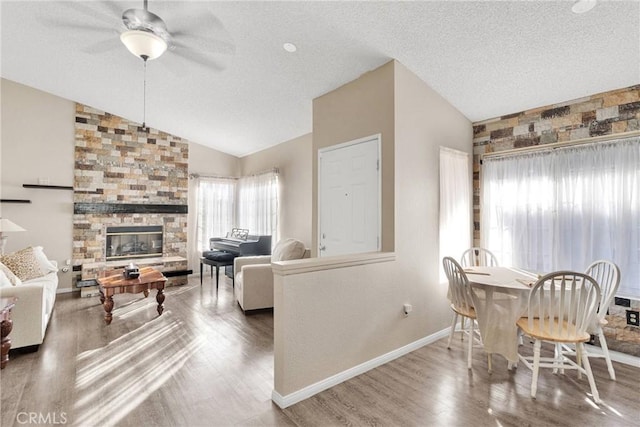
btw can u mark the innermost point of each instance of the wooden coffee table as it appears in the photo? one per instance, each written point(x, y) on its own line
point(113, 282)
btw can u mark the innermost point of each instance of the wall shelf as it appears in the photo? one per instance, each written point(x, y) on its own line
point(14, 201)
point(48, 187)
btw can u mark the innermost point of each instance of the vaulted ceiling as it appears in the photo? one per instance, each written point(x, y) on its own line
point(229, 84)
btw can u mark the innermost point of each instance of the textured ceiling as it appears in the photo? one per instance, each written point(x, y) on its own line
point(232, 87)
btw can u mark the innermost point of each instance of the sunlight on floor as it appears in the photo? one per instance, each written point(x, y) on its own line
point(616, 412)
point(113, 380)
point(137, 305)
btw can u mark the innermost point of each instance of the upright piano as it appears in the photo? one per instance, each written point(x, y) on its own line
point(240, 246)
point(254, 245)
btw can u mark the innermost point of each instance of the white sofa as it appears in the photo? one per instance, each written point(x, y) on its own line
point(32, 311)
point(253, 286)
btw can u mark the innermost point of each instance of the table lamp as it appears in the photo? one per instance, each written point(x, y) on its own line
point(5, 227)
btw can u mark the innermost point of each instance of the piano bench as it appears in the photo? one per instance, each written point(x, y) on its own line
point(215, 259)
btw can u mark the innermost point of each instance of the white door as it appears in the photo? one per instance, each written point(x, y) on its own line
point(349, 197)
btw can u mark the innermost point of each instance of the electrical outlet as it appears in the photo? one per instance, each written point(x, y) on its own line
point(633, 318)
point(623, 302)
point(408, 308)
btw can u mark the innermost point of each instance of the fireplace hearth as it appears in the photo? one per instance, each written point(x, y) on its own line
point(133, 242)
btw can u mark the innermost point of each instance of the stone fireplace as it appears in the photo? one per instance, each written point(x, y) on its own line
point(131, 177)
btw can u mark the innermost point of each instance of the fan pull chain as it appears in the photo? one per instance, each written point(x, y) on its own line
point(144, 97)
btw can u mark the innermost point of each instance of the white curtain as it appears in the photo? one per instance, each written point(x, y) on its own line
point(455, 203)
point(215, 212)
point(258, 204)
point(565, 208)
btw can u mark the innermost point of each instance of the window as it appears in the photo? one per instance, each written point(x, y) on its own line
point(215, 210)
point(226, 203)
point(565, 208)
point(258, 204)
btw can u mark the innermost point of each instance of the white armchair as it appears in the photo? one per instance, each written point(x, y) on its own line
point(253, 276)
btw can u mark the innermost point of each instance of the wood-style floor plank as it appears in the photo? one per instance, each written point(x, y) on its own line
point(205, 363)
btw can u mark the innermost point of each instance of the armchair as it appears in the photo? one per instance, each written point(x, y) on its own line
point(254, 278)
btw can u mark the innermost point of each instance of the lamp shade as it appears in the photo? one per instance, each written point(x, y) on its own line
point(7, 225)
point(143, 44)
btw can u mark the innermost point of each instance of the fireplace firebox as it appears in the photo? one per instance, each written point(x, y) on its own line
point(130, 242)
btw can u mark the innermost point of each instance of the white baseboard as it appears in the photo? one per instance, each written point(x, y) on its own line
point(307, 392)
point(616, 356)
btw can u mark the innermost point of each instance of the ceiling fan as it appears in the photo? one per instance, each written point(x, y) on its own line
point(147, 36)
point(199, 37)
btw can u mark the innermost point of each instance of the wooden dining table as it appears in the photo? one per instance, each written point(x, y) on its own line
point(502, 298)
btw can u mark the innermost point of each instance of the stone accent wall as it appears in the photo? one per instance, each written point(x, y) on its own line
point(620, 336)
point(117, 161)
point(608, 113)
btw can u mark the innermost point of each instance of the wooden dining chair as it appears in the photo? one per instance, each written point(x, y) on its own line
point(461, 304)
point(561, 307)
point(478, 257)
point(607, 274)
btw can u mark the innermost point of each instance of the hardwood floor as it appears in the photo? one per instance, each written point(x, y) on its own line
point(204, 363)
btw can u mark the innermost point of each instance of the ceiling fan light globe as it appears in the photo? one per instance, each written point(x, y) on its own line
point(143, 43)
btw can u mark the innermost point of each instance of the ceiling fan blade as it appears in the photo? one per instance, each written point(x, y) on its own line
point(174, 67)
point(199, 59)
point(75, 26)
point(196, 23)
point(102, 46)
point(115, 8)
point(202, 31)
point(94, 11)
point(201, 44)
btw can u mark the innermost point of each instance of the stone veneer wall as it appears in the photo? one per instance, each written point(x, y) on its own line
point(116, 161)
point(606, 113)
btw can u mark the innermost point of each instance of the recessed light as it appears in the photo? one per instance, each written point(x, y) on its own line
point(583, 6)
point(289, 47)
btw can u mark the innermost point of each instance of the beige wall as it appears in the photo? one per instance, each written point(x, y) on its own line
point(361, 108)
point(38, 142)
point(334, 314)
point(330, 321)
point(424, 122)
point(293, 159)
point(207, 161)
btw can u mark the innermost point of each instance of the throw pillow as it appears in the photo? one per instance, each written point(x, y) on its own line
point(23, 263)
point(45, 265)
point(8, 275)
point(287, 249)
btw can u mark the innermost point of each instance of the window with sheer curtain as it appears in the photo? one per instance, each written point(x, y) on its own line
point(215, 207)
point(455, 203)
point(565, 208)
point(258, 204)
